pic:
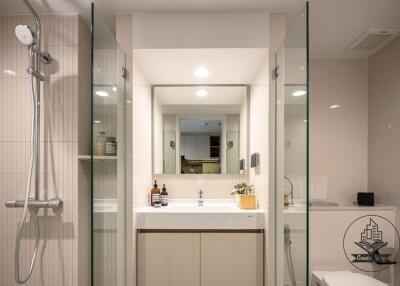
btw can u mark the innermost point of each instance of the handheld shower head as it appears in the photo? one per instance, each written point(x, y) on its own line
point(25, 35)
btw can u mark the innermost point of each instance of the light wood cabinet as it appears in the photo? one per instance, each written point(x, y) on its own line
point(200, 259)
point(234, 259)
point(168, 259)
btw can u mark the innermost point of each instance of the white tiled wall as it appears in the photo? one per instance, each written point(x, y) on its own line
point(63, 105)
point(259, 139)
point(187, 186)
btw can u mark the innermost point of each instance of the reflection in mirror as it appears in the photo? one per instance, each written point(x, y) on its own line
point(200, 130)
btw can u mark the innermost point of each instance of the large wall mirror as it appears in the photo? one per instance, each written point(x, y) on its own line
point(200, 129)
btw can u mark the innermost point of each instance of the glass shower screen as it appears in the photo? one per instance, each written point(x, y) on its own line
point(108, 165)
point(292, 96)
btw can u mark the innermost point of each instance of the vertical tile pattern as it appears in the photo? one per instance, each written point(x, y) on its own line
point(187, 186)
point(56, 262)
point(107, 77)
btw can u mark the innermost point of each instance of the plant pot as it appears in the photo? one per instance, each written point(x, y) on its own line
point(237, 200)
point(247, 202)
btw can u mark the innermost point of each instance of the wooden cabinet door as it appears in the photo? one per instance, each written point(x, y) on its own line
point(168, 259)
point(234, 259)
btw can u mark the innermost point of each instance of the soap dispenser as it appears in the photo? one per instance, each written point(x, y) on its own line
point(164, 196)
point(155, 195)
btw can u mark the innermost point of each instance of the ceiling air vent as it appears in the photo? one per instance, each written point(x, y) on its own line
point(374, 39)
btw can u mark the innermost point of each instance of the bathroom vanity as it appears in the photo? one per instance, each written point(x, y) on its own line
point(185, 244)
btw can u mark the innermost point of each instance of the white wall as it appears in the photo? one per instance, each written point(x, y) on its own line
point(384, 128)
point(244, 124)
point(200, 30)
point(141, 155)
point(158, 134)
point(259, 99)
point(338, 137)
point(169, 125)
point(139, 164)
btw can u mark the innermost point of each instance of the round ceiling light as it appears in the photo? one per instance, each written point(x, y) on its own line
point(201, 72)
point(201, 93)
point(102, 93)
point(299, 93)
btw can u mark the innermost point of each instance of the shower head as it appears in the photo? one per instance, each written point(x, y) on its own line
point(25, 35)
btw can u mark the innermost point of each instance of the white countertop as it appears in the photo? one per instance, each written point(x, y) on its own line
point(351, 207)
point(191, 206)
point(186, 214)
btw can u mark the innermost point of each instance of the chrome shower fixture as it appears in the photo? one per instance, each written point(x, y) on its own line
point(25, 35)
point(31, 39)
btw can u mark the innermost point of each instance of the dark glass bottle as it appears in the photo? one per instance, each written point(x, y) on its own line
point(164, 196)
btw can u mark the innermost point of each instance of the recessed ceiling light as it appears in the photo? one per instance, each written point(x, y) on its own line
point(299, 93)
point(9, 72)
point(114, 88)
point(334, 106)
point(201, 93)
point(201, 72)
point(96, 121)
point(102, 93)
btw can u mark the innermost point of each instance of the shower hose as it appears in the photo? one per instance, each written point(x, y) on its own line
point(289, 258)
point(34, 213)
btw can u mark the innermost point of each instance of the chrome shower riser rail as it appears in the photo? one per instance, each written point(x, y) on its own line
point(36, 74)
point(33, 204)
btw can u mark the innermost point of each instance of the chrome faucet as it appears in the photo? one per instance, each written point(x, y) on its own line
point(200, 198)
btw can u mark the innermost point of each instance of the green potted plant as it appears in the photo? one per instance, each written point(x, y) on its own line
point(245, 196)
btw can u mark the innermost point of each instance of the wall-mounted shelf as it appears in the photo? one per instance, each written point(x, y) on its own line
point(88, 157)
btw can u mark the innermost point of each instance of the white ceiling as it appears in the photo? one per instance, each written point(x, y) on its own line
point(128, 6)
point(334, 24)
point(184, 95)
point(183, 99)
point(176, 66)
point(200, 126)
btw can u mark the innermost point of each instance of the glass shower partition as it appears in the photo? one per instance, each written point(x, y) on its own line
point(292, 162)
point(108, 166)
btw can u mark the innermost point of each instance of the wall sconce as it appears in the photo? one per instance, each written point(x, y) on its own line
point(172, 144)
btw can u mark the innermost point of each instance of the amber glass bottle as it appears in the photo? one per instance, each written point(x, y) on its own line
point(155, 195)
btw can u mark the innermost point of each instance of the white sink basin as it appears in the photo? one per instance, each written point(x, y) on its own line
point(188, 215)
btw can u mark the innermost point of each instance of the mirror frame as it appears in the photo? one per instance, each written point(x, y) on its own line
point(247, 163)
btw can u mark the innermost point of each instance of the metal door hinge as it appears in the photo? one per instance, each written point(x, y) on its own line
point(123, 74)
point(275, 72)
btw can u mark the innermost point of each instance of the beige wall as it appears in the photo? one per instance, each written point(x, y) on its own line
point(338, 137)
point(384, 128)
point(63, 255)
